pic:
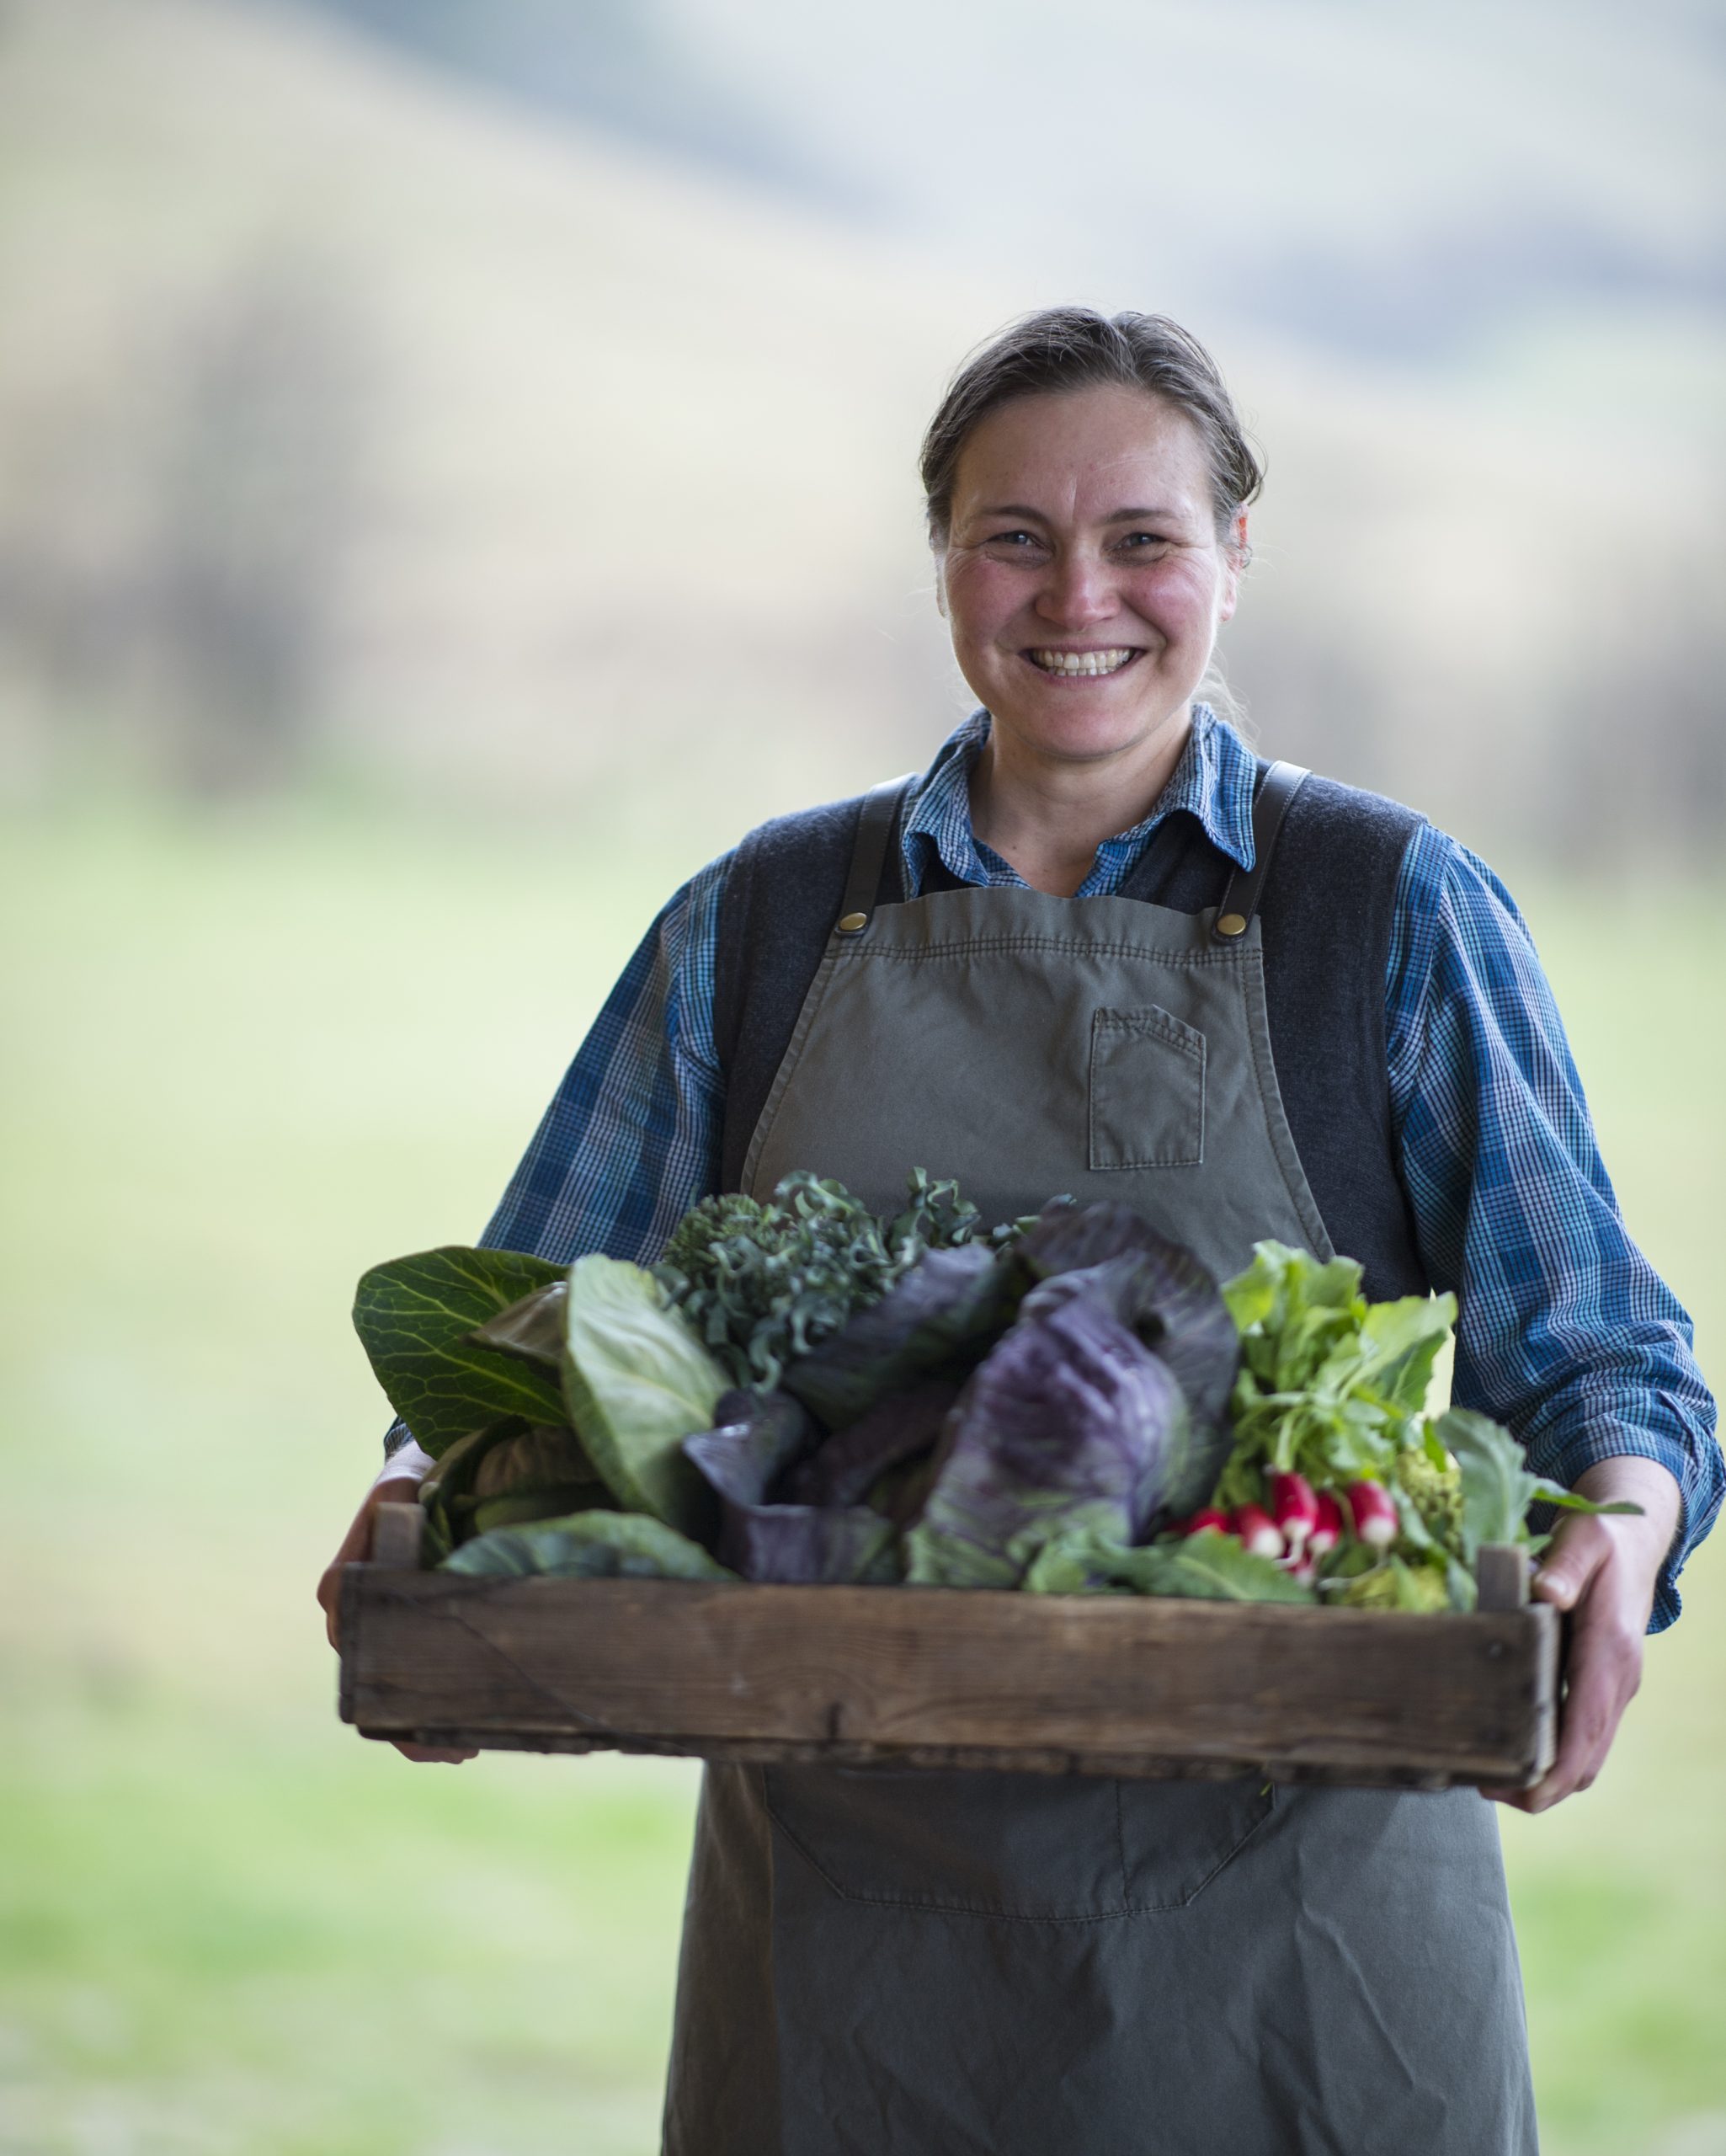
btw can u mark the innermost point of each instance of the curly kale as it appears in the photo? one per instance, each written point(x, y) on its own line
point(762, 1282)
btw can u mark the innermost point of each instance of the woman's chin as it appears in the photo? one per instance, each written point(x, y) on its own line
point(1082, 728)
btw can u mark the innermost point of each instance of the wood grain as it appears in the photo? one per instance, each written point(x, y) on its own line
point(1032, 1683)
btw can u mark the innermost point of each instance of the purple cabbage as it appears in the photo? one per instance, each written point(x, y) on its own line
point(1160, 1289)
point(848, 1467)
point(938, 1317)
point(759, 1437)
point(1071, 1422)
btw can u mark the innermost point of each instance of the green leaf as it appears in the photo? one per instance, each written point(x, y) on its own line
point(587, 1546)
point(1497, 1486)
point(506, 1472)
point(1403, 1340)
point(1202, 1567)
point(532, 1329)
point(414, 1317)
point(638, 1382)
point(1573, 1501)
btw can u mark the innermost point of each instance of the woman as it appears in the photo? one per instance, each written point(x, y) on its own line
point(1098, 949)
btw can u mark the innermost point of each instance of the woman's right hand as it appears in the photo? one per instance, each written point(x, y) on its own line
point(398, 1484)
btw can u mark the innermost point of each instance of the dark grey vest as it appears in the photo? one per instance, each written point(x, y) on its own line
point(1326, 912)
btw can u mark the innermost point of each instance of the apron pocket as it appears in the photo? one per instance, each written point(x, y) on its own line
point(1147, 1090)
point(1053, 1849)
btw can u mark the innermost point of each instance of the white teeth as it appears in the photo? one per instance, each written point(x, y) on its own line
point(1080, 662)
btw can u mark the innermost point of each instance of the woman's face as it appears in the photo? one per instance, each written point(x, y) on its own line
point(1083, 579)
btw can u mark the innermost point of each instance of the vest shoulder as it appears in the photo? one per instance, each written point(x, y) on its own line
point(1347, 828)
point(804, 834)
point(1328, 801)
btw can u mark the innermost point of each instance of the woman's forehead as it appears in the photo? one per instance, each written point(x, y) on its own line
point(1078, 450)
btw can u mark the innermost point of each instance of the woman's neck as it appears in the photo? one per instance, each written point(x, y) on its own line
point(1047, 818)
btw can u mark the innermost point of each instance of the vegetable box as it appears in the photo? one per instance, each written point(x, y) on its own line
point(1128, 1685)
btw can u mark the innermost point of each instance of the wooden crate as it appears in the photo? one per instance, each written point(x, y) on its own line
point(930, 1677)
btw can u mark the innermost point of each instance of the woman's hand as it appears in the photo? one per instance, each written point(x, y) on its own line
point(1602, 1570)
point(398, 1484)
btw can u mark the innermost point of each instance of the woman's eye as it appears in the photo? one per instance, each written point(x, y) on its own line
point(1016, 540)
point(1139, 541)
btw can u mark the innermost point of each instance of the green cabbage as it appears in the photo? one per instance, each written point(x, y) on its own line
point(638, 1383)
point(587, 1546)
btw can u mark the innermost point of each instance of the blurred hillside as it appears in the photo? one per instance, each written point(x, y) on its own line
point(444, 404)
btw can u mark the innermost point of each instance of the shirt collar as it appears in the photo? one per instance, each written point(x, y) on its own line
point(1213, 781)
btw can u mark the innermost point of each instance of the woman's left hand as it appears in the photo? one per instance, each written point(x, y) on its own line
point(1603, 1569)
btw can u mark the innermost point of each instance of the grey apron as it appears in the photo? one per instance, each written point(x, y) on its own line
point(880, 1962)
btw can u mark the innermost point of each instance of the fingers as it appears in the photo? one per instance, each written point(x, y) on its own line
point(356, 1545)
point(1605, 1665)
point(1577, 1550)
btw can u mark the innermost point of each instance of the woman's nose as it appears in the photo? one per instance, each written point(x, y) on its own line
point(1077, 591)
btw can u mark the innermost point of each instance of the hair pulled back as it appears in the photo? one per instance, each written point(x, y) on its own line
point(1059, 348)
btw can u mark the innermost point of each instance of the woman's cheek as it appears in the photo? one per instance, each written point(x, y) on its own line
point(1178, 600)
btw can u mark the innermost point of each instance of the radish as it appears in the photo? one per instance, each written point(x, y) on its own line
point(1257, 1530)
point(1328, 1526)
point(1293, 1507)
point(1207, 1520)
point(1374, 1515)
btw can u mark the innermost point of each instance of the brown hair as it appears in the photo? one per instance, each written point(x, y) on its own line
point(1060, 348)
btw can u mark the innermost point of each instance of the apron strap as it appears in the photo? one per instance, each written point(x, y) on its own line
point(1241, 893)
point(877, 819)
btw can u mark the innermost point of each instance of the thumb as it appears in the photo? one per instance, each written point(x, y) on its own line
point(1568, 1564)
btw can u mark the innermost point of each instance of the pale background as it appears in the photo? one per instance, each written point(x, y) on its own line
point(456, 472)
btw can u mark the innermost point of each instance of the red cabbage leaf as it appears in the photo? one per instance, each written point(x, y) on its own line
point(758, 1436)
point(939, 1316)
point(1068, 1424)
point(848, 1467)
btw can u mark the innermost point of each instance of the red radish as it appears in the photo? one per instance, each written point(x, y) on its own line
point(1327, 1527)
point(1257, 1530)
point(1293, 1507)
point(1207, 1520)
point(1300, 1567)
point(1374, 1515)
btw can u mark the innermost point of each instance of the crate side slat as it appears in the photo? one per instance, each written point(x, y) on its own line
point(908, 1669)
point(972, 1760)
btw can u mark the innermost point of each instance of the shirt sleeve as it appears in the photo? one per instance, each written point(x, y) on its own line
point(1565, 1332)
point(631, 1138)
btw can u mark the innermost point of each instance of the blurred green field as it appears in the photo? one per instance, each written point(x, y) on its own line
point(246, 1059)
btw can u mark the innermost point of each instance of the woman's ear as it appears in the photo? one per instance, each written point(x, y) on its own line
point(1236, 554)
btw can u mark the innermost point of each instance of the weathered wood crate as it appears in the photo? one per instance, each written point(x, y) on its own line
point(928, 1677)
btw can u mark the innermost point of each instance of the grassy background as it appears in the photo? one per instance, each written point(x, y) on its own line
point(247, 1059)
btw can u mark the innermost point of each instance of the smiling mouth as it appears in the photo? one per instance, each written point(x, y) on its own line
point(1082, 666)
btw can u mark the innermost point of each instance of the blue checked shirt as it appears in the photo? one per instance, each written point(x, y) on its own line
point(1566, 1332)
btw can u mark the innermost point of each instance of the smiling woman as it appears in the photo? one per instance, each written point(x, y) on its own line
point(1099, 947)
point(1085, 571)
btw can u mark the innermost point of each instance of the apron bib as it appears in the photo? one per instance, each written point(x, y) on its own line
point(887, 1963)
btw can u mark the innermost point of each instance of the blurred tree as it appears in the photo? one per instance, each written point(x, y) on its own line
point(1637, 733)
point(256, 494)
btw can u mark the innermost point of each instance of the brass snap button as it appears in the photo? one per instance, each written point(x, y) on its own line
point(1227, 924)
point(850, 924)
